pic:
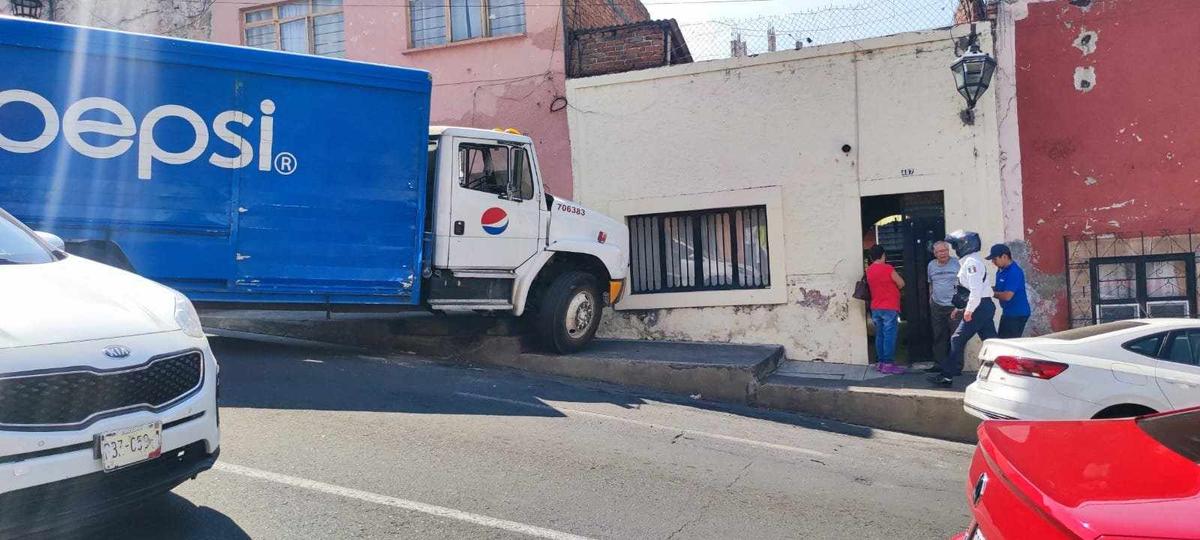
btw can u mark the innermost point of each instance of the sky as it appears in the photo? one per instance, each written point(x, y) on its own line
point(814, 22)
point(693, 12)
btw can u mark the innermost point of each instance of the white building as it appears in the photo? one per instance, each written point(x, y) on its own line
point(777, 168)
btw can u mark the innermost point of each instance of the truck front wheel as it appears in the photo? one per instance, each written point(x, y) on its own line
point(570, 312)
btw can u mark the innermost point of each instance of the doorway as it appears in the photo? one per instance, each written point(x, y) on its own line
point(907, 225)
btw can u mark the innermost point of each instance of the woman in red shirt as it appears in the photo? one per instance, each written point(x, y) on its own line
point(885, 285)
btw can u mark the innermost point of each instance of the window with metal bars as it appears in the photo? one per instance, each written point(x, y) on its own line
point(702, 250)
point(1143, 286)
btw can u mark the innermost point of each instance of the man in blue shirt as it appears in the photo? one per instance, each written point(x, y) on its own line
point(1010, 290)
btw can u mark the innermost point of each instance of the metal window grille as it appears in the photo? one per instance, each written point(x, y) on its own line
point(1129, 287)
point(703, 250)
point(1131, 274)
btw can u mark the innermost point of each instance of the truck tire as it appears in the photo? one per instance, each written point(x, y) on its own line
point(569, 313)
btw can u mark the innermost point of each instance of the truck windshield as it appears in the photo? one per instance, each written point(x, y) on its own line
point(1179, 431)
point(18, 245)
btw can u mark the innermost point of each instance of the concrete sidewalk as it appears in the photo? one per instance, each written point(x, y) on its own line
point(743, 374)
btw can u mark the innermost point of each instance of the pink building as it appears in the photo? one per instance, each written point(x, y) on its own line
point(495, 63)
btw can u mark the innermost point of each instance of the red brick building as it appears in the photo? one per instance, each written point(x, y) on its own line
point(626, 47)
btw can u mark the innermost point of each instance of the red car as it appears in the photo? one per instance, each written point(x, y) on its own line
point(1134, 478)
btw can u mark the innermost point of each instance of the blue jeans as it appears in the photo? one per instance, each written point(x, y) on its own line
point(981, 324)
point(887, 326)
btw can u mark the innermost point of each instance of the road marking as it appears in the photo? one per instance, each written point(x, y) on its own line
point(433, 510)
point(694, 433)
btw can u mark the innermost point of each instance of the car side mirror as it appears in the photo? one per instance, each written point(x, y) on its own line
point(52, 239)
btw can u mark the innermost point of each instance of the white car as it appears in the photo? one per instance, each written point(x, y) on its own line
point(1112, 370)
point(108, 388)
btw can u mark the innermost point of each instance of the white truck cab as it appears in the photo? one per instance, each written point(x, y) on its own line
point(501, 243)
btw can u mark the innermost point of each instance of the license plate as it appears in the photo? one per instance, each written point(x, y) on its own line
point(129, 446)
point(984, 370)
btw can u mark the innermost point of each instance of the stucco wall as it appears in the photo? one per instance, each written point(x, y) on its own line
point(777, 122)
point(1116, 155)
point(509, 81)
point(178, 18)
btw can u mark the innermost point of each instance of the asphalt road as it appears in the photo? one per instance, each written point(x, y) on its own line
point(326, 443)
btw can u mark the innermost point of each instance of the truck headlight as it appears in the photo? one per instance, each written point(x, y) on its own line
point(186, 317)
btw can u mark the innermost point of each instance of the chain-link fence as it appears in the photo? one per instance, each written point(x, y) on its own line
point(711, 40)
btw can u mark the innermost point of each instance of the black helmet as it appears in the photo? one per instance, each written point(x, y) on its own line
point(964, 242)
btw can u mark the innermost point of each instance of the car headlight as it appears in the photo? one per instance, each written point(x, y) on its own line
point(186, 317)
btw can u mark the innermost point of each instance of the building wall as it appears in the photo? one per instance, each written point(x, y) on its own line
point(1106, 90)
point(508, 81)
point(619, 49)
point(770, 130)
point(590, 14)
point(178, 18)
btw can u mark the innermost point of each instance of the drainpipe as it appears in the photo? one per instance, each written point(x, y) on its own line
point(667, 43)
point(568, 30)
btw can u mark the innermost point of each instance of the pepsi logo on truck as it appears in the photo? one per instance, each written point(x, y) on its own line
point(494, 221)
point(103, 128)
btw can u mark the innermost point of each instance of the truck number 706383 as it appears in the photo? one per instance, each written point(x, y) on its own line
point(572, 209)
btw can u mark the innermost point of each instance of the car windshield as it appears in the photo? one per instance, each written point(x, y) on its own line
point(18, 245)
point(1179, 431)
point(1095, 330)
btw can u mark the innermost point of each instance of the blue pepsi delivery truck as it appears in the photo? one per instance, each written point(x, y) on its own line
point(260, 179)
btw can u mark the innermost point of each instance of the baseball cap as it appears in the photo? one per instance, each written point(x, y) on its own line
point(998, 250)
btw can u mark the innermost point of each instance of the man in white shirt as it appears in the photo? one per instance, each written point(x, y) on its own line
point(974, 298)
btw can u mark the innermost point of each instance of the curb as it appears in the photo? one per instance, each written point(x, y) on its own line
point(928, 413)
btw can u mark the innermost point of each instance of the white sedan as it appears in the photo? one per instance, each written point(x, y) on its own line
point(1112, 370)
point(107, 386)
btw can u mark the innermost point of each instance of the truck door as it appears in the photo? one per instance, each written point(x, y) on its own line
point(494, 209)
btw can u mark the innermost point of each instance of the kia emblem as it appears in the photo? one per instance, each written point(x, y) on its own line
point(116, 351)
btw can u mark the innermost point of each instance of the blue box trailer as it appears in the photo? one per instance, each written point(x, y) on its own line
point(231, 174)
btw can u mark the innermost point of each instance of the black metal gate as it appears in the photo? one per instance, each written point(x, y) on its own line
point(909, 245)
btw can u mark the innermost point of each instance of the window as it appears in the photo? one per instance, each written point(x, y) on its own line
point(1147, 346)
point(303, 26)
point(17, 245)
point(1184, 348)
point(486, 168)
point(437, 22)
point(523, 173)
point(1143, 286)
point(704, 250)
point(1176, 431)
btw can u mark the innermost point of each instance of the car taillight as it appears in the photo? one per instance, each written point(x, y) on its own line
point(1028, 367)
